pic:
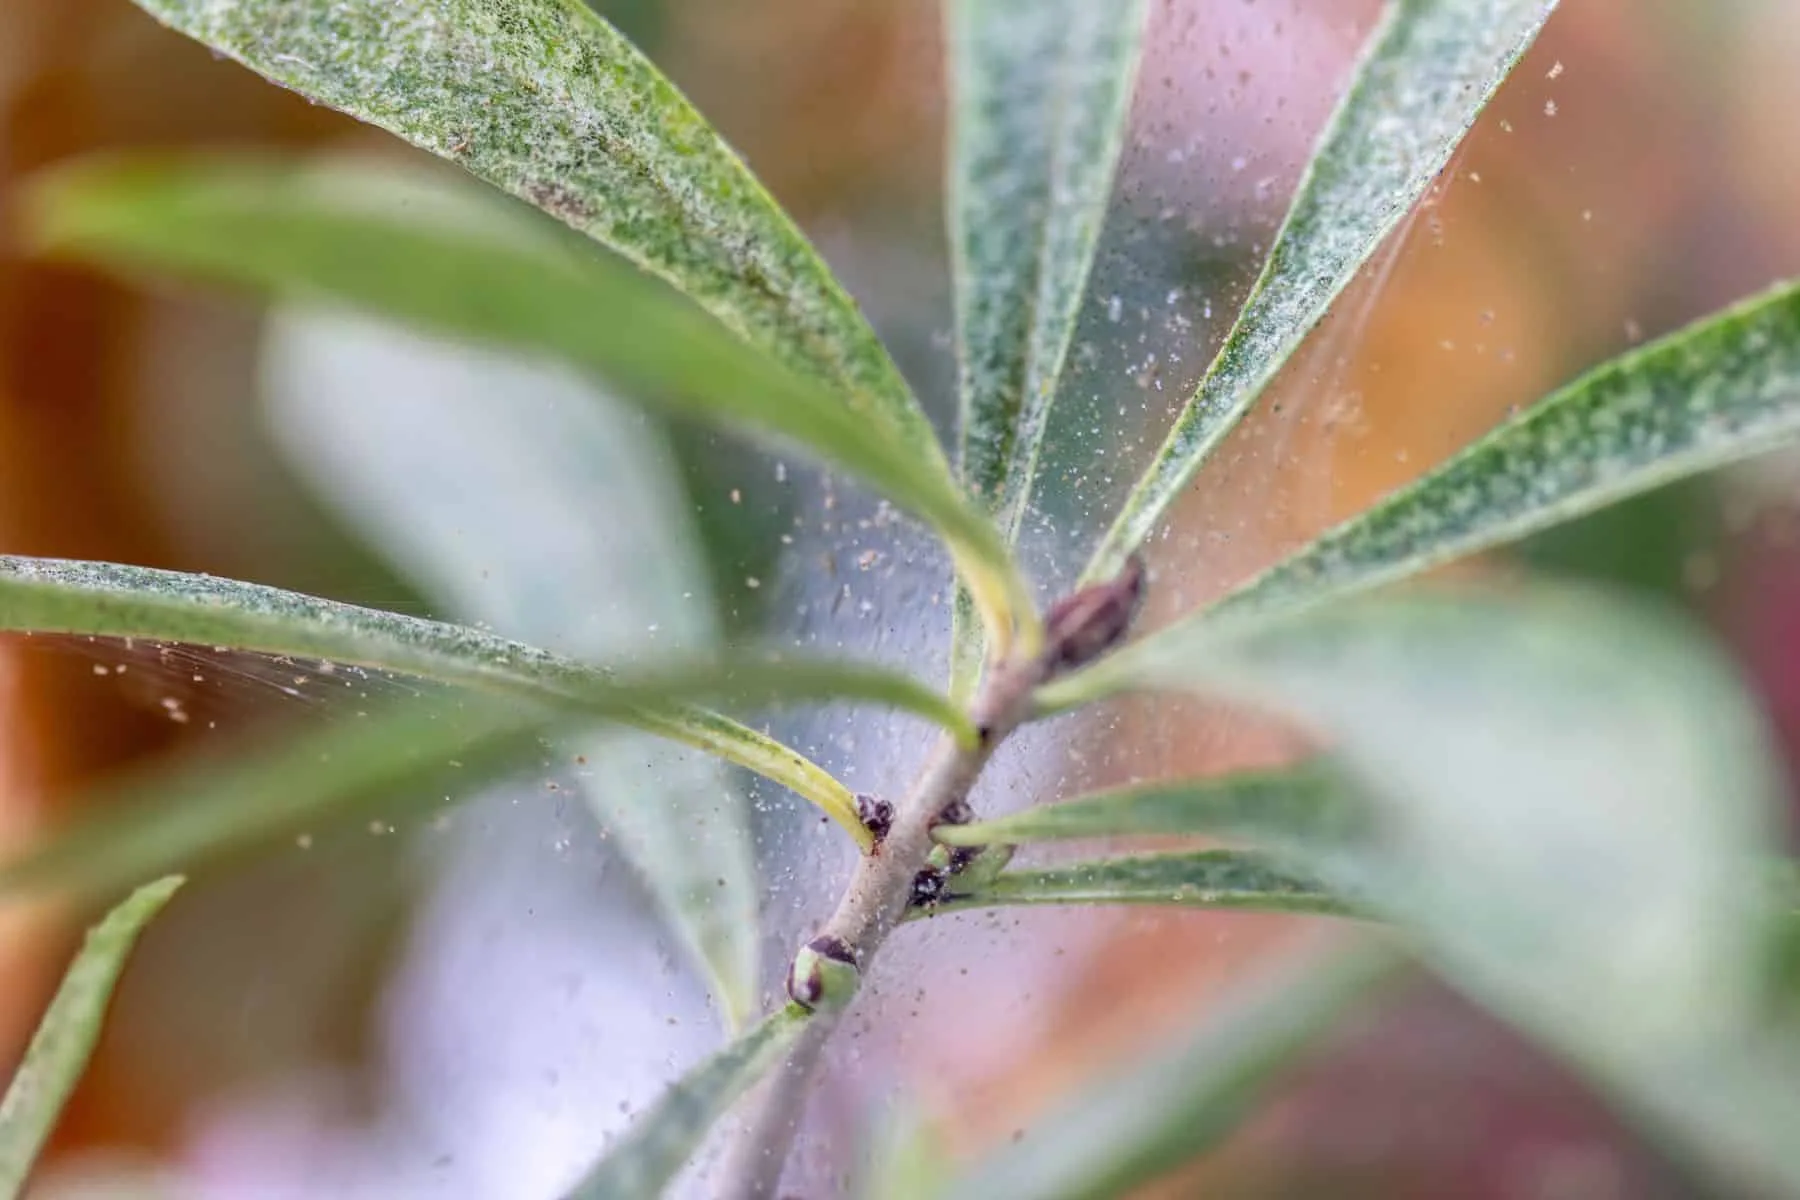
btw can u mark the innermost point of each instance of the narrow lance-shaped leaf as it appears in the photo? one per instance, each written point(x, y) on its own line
point(1212, 879)
point(335, 236)
point(491, 512)
point(1576, 799)
point(545, 100)
point(107, 600)
point(1307, 805)
point(1429, 70)
point(65, 1038)
point(419, 750)
point(423, 750)
point(664, 1138)
point(1723, 389)
point(1040, 92)
point(1119, 1133)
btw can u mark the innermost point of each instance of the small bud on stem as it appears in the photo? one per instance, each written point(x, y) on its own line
point(823, 975)
point(876, 814)
point(1081, 627)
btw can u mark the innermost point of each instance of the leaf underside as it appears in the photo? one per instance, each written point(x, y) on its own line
point(65, 1038)
point(1428, 71)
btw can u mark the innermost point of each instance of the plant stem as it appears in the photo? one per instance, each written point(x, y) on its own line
point(829, 970)
point(758, 1155)
point(871, 908)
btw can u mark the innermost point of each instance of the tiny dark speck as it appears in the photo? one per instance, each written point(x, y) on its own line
point(559, 201)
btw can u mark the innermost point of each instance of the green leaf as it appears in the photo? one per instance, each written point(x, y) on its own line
point(446, 268)
point(1146, 1120)
point(1215, 879)
point(906, 1159)
point(1306, 806)
point(545, 100)
point(65, 1038)
point(175, 816)
point(1719, 391)
point(491, 512)
point(1574, 796)
point(1040, 93)
point(1427, 73)
point(661, 1142)
point(108, 600)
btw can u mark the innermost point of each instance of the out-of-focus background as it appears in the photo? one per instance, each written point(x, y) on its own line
point(466, 1008)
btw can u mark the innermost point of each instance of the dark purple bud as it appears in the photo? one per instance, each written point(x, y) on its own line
point(1081, 627)
point(876, 814)
point(957, 812)
point(928, 887)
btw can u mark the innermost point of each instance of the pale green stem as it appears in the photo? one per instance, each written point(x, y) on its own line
point(871, 908)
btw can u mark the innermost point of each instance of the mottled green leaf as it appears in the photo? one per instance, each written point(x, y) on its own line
point(65, 1038)
point(1039, 95)
point(656, 1147)
point(1216, 879)
point(1719, 391)
point(1427, 73)
point(1141, 1122)
point(108, 600)
point(491, 512)
point(1307, 805)
point(1040, 92)
point(178, 815)
point(334, 236)
point(545, 100)
point(1575, 796)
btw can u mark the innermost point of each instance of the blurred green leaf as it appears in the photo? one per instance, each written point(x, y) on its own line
point(661, 1142)
point(1144, 1121)
point(1216, 879)
point(310, 235)
point(545, 100)
point(1649, 543)
point(1576, 798)
point(1719, 391)
point(906, 1159)
point(558, 519)
point(742, 508)
point(1306, 805)
point(1040, 92)
point(108, 600)
point(1427, 73)
point(65, 1038)
point(174, 816)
